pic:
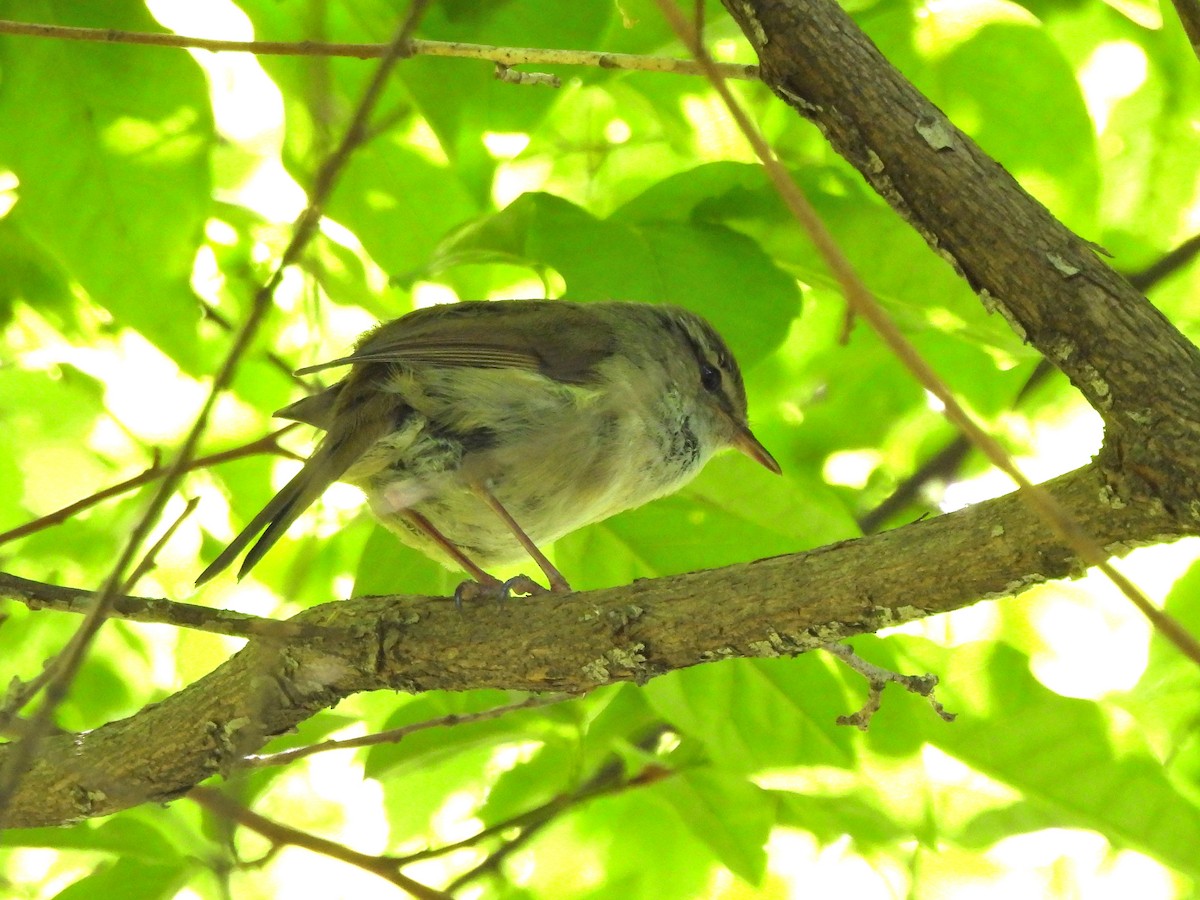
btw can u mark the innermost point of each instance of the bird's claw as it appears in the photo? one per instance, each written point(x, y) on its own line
point(522, 584)
point(472, 591)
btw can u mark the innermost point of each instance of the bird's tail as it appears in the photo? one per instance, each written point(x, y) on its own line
point(335, 454)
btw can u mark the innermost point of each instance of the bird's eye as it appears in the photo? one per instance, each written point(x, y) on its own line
point(710, 378)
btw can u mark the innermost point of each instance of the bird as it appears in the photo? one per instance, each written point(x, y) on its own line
point(480, 430)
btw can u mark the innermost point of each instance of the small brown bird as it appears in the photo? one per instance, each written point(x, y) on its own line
point(480, 430)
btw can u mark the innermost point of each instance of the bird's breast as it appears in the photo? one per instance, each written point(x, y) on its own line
point(556, 456)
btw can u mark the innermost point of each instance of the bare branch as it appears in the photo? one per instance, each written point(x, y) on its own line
point(267, 444)
point(877, 679)
point(865, 305)
point(774, 607)
point(505, 56)
point(37, 595)
point(278, 833)
point(147, 563)
point(395, 735)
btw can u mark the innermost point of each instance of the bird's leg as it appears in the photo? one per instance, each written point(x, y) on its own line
point(558, 584)
point(484, 585)
point(464, 561)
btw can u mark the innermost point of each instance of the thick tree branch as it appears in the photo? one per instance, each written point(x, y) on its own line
point(1126, 358)
point(947, 462)
point(861, 302)
point(772, 607)
point(1130, 363)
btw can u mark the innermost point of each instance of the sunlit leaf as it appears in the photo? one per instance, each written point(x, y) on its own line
point(121, 201)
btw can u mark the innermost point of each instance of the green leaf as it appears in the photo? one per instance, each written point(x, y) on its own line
point(710, 269)
point(131, 878)
point(124, 836)
point(253, 782)
point(30, 275)
point(121, 202)
point(616, 716)
point(834, 818)
point(1164, 701)
point(614, 846)
point(1058, 752)
point(730, 815)
point(384, 188)
point(915, 286)
point(531, 783)
point(55, 411)
point(714, 192)
point(388, 566)
point(414, 799)
point(731, 706)
point(462, 100)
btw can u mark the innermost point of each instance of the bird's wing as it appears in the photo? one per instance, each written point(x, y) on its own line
point(562, 340)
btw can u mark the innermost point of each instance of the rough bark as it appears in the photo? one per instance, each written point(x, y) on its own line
point(772, 607)
point(1132, 365)
point(1125, 357)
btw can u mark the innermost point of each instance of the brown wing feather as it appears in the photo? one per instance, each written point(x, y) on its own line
point(562, 340)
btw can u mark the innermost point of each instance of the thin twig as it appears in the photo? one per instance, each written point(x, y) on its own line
point(395, 735)
point(38, 595)
point(507, 56)
point(278, 833)
point(71, 657)
point(493, 861)
point(519, 822)
point(147, 563)
point(877, 679)
point(219, 319)
point(865, 305)
point(266, 444)
point(607, 781)
point(513, 76)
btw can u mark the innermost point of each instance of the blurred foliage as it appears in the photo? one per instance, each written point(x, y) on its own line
point(140, 206)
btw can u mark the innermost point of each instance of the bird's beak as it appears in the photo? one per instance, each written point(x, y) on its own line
point(749, 444)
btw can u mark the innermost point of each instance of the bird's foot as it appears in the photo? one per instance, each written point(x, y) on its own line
point(523, 585)
point(518, 585)
point(471, 591)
